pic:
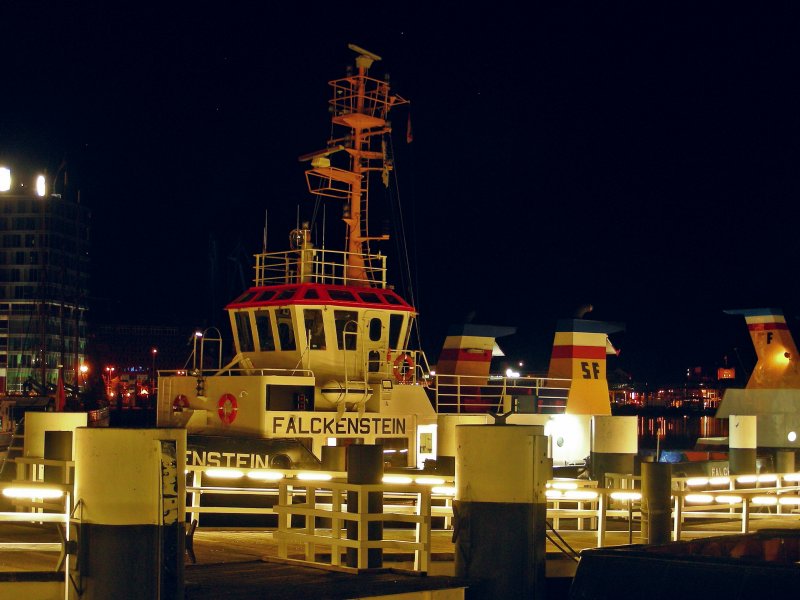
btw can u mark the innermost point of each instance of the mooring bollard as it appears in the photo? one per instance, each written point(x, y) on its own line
point(131, 531)
point(742, 439)
point(365, 466)
point(656, 502)
point(500, 509)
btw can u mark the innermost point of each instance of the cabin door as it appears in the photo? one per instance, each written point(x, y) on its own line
point(375, 332)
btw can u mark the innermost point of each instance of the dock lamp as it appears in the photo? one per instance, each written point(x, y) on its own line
point(30, 491)
point(5, 179)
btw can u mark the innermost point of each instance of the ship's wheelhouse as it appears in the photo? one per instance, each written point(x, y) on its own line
point(321, 328)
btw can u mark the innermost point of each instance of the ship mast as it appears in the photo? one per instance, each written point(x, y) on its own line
point(361, 105)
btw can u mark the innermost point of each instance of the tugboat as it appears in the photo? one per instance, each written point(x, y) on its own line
point(322, 341)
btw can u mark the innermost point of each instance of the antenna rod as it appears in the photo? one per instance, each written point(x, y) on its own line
point(264, 240)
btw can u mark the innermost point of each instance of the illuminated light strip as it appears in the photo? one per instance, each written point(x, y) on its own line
point(314, 476)
point(789, 500)
point(224, 473)
point(32, 492)
point(553, 494)
point(429, 481)
point(626, 495)
point(764, 500)
point(719, 480)
point(598, 352)
point(697, 481)
point(444, 490)
point(792, 477)
point(767, 478)
point(265, 475)
point(728, 499)
point(699, 498)
point(580, 495)
point(396, 479)
point(564, 485)
point(747, 479)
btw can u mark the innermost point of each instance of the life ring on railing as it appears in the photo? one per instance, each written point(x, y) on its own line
point(227, 408)
point(403, 368)
point(181, 402)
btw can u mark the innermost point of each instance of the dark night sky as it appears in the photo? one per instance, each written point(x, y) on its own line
point(645, 162)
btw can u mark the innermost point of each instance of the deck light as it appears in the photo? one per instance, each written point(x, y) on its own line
point(396, 479)
point(697, 481)
point(747, 479)
point(768, 478)
point(792, 477)
point(265, 475)
point(789, 501)
point(792, 436)
point(5, 179)
point(553, 494)
point(225, 473)
point(580, 495)
point(719, 480)
point(626, 495)
point(307, 476)
point(699, 498)
point(564, 485)
point(32, 492)
point(728, 499)
point(764, 500)
point(444, 491)
point(429, 481)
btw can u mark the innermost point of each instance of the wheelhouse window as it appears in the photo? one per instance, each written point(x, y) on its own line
point(370, 297)
point(244, 331)
point(375, 329)
point(246, 297)
point(346, 329)
point(265, 295)
point(341, 295)
point(315, 329)
point(286, 294)
point(283, 317)
point(266, 339)
point(395, 328)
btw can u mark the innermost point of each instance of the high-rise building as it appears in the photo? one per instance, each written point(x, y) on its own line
point(44, 272)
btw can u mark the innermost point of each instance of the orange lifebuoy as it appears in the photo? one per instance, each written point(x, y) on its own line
point(180, 403)
point(227, 408)
point(403, 368)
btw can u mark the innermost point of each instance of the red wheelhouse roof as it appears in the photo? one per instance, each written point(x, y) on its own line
point(320, 294)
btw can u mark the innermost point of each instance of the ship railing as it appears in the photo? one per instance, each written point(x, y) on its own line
point(40, 503)
point(239, 371)
point(363, 95)
point(528, 394)
point(403, 366)
point(318, 266)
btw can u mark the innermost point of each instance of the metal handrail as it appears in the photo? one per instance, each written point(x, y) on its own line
point(320, 266)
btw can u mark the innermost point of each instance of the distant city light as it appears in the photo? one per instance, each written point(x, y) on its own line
point(5, 179)
point(40, 186)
